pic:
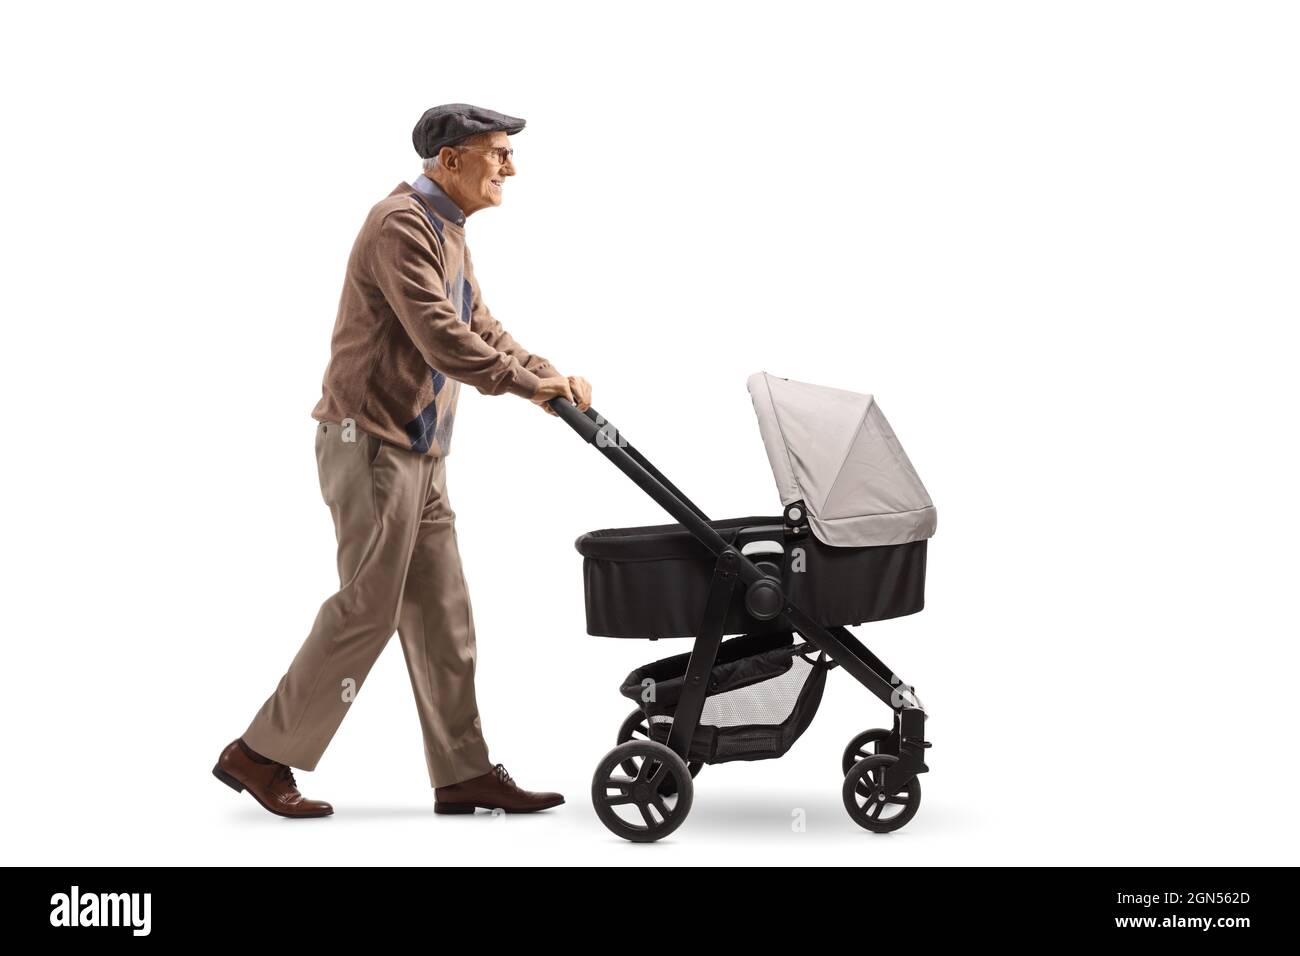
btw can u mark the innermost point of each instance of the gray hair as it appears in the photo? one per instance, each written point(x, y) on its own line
point(431, 163)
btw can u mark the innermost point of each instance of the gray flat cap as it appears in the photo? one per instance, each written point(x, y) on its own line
point(450, 123)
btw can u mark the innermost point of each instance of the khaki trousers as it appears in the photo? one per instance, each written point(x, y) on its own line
point(399, 568)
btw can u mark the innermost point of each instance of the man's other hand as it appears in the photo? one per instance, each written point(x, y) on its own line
point(581, 389)
point(556, 386)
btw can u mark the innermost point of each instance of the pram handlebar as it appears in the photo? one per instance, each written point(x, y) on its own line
point(584, 423)
point(597, 431)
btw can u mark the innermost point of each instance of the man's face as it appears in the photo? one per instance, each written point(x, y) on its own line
point(482, 165)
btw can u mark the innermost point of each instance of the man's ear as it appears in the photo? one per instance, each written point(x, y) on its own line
point(448, 158)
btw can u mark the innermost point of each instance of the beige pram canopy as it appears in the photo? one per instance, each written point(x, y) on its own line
point(834, 451)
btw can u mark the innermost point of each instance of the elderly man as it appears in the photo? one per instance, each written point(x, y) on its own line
point(412, 326)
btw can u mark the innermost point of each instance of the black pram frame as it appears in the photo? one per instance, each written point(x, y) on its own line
point(874, 778)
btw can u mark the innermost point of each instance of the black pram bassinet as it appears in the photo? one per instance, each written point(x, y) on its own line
point(849, 548)
point(653, 582)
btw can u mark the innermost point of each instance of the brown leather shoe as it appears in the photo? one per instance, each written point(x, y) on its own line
point(493, 790)
point(270, 784)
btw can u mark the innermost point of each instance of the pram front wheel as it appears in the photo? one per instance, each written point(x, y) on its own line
point(637, 727)
point(649, 801)
point(861, 747)
point(867, 801)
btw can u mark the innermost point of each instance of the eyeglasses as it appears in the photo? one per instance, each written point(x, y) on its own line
point(504, 154)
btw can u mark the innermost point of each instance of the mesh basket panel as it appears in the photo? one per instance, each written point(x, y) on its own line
point(768, 702)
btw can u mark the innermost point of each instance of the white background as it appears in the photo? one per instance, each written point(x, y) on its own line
point(1058, 241)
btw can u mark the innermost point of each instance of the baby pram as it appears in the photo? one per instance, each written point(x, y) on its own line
point(849, 548)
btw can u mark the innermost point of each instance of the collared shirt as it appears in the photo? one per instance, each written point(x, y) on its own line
point(442, 203)
point(412, 325)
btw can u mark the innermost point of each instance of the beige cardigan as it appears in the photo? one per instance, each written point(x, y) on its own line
point(412, 325)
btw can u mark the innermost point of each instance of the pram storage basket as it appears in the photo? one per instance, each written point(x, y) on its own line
point(653, 581)
point(763, 692)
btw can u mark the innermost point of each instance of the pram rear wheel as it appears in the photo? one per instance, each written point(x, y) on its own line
point(650, 801)
point(860, 747)
point(637, 727)
point(868, 804)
